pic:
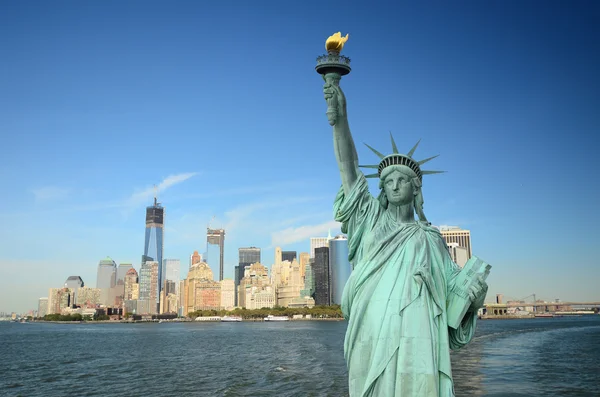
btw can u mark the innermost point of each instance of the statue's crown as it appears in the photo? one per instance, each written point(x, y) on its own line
point(399, 159)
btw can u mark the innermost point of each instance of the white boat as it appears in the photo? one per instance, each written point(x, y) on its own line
point(231, 319)
point(271, 317)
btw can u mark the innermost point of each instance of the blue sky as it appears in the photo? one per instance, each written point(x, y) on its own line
point(220, 106)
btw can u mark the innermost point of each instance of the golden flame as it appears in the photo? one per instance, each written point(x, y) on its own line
point(335, 42)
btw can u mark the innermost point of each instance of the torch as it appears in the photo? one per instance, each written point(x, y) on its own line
point(332, 66)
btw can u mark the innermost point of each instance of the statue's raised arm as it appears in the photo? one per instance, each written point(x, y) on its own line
point(343, 144)
point(332, 67)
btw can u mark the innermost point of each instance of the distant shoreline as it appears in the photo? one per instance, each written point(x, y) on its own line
point(178, 321)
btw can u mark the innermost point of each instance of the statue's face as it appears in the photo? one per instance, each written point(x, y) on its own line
point(398, 188)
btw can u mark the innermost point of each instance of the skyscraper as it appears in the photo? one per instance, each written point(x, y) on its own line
point(316, 242)
point(215, 237)
point(105, 280)
point(122, 271)
point(288, 255)
point(171, 273)
point(154, 241)
point(247, 256)
point(321, 276)
point(74, 283)
point(339, 267)
point(454, 234)
point(42, 307)
point(149, 294)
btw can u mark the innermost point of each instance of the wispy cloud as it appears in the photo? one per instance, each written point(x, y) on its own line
point(302, 233)
point(143, 196)
point(47, 193)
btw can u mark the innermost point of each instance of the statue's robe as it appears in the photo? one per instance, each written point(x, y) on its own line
point(398, 340)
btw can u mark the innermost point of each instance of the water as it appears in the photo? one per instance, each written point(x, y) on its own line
point(536, 357)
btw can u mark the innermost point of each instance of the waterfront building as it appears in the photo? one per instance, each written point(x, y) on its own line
point(89, 297)
point(154, 238)
point(454, 234)
point(339, 267)
point(122, 272)
point(215, 246)
point(287, 282)
point(149, 295)
point(227, 294)
point(255, 275)
point(258, 297)
point(322, 276)
point(207, 295)
point(197, 273)
point(74, 283)
point(42, 307)
point(59, 299)
point(106, 279)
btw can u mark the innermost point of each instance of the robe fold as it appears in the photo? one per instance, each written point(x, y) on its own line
point(397, 341)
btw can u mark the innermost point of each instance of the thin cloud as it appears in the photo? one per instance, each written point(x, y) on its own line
point(302, 233)
point(143, 196)
point(50, 193)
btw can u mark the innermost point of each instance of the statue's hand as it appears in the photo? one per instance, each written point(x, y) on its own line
point(477, 293)
point(336, 102)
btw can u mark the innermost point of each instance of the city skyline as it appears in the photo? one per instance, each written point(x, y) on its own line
point(229, 106)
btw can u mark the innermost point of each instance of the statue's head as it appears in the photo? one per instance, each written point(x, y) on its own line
point(400, 179)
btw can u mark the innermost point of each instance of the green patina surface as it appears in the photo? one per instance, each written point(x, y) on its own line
point(398, 340)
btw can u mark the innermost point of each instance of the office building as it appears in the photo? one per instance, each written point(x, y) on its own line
point(149, 295)
point(42, 307)
point(317, 242)
point(74, 283)
point(339, 267)
point(154, 238)
point(215, 245)
point(246, 257)
point(288, 255)
point(88, 297)
point(249, 255)
point(459, 254)
point(106, 279)
point(322, 276)
point(454, 234)
point(171, 273)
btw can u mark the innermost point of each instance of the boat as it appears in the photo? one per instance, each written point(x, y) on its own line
point(271, 317)
point(231, 319)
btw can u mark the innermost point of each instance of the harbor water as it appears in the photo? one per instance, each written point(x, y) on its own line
point(530, 357)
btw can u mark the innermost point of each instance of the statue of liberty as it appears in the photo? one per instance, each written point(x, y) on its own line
point(398, 338)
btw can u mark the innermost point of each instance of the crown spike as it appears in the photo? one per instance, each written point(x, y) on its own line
point(412, 151)
point(426, 160)
point(394, 147)
point(375, 151)
point(376, 175)
point(369, 166)
point(432, 172)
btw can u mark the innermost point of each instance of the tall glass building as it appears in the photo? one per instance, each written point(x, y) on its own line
point(170, 269)
point(339, 267)
point(321, 277)
point(74, 283)
point(215, 238)
point(154, 241)
point(106, 279)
